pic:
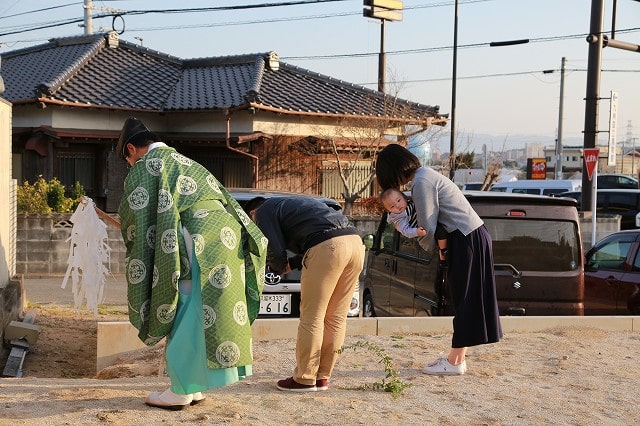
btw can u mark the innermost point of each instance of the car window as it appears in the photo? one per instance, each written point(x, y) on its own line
point(535, 245)
point(550, 191)
point(610, 256)
point(627, 182)
point(636, 262)
point(605, 182)
point(386, 237)
point(409, 246)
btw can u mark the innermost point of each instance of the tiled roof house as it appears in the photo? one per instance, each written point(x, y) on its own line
point(72, 95)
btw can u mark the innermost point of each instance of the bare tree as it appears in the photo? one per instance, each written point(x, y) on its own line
point(356, 141)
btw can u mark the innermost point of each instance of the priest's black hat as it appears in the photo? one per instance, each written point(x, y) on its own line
point(132, 128)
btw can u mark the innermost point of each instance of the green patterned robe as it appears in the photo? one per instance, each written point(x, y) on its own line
point(163, 191)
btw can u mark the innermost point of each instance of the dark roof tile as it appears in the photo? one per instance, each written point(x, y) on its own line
point(90, 71)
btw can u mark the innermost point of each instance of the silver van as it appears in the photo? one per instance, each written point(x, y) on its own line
point(538, 186)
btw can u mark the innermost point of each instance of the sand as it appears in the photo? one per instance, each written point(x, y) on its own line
point(573, 376)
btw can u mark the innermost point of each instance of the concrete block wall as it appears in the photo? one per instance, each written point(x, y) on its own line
point(43, 250)
point(12, 303)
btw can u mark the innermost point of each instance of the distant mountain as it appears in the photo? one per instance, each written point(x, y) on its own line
point(497, 143)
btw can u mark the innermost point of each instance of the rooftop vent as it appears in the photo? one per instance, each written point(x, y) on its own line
point(273, 61)
point(113, 40)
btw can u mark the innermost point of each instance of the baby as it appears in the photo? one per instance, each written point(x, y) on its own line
point(402, 214)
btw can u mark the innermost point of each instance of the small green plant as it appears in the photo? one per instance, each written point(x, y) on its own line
point(391, 382)
point(47, 197)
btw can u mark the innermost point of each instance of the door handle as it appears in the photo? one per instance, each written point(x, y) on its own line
point(391, 265)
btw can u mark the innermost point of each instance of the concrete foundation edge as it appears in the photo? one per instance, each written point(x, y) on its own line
point(117, 338)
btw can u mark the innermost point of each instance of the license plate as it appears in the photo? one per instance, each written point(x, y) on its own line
point(275, 304)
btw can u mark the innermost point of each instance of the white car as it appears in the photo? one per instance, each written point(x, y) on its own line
point(281, 294)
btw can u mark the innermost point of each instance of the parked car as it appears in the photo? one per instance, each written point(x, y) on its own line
point(472, 186)
point(612, 275)
point(281, 293)
point(617, 181)
point(624, 202)
point(537, 252)
point(538, 186)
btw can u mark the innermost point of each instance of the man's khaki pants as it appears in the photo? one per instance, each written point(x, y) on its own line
point(330, 271)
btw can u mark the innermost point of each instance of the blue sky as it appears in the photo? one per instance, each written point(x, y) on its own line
point(503, 97)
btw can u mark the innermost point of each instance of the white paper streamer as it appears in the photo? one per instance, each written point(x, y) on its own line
point(87, 255)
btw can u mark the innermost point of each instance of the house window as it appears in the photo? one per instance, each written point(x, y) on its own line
point(77, 167)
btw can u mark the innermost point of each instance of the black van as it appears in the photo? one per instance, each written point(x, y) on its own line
point(537, 252)
point(623, 202)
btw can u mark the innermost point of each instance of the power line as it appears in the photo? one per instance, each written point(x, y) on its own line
point(39, 10)
point(45, 25)
point(188, 10)
point(441, 48)
point(505, 74)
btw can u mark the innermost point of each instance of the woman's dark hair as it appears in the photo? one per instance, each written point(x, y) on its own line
point(395, 165)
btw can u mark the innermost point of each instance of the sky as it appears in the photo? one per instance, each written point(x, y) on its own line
point(503, 96)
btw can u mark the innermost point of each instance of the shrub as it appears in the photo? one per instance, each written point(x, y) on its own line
point(47, 197)
point(371, 205)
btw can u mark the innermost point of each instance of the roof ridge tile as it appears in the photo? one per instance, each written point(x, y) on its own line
point(253, 93)
point(52, 86)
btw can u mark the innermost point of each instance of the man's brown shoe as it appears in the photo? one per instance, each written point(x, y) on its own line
point(291, 385)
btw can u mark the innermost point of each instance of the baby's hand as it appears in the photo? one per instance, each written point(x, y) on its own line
point(421, 232)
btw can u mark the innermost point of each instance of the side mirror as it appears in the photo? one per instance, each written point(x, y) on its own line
point(638, 220)
point(367, 240)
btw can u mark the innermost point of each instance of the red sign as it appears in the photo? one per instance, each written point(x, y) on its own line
point(537, 168)
point(591, 160)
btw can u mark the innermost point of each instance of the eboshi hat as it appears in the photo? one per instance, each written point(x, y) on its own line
point(132, 128)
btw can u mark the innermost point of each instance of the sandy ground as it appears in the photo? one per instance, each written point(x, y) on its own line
point(571, 376)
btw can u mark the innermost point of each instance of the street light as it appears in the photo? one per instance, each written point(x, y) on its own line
point(452, 120)
point(384, 10)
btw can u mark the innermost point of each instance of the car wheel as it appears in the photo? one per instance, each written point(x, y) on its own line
point(367, 308)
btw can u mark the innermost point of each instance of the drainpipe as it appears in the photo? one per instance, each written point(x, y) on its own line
point(254, 158)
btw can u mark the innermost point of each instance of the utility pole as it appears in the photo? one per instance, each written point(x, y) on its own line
point(595, 40)
point(382, 60)
point(629, 138)
point(384, 10)
point(452, 120)
point(560, 119)
point(88, 20)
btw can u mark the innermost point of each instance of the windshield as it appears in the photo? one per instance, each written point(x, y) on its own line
point(535, 245)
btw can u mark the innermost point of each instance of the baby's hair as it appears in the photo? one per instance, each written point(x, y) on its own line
point(388, 192)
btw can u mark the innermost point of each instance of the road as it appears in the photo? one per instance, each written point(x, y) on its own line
point(49, 290)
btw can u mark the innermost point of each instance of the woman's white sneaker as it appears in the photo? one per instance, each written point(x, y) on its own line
point(442, 367)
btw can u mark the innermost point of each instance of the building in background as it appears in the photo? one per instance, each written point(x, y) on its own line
point(252, 120)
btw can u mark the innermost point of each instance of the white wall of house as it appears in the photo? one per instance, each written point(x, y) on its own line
point(571, 157)
point(7, 199)
point(192, 122)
